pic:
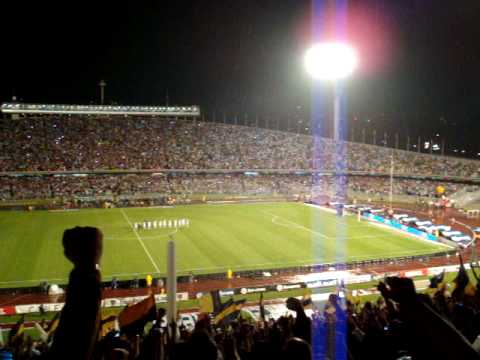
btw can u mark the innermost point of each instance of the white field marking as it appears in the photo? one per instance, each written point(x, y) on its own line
point(323, 208)
point(159, 207)
point(357, 237)
point(294, 224)
point(129, 274)
point(119, 239)
point(385, 227)
point(275, 217)
point(239, 202)
point(274, 220)
point(391, 229)
point(140, 240)
point(331, 211)
point(337, 220)
point(161, 235)
point(127, 238)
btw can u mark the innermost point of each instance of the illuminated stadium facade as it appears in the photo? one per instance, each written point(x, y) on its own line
point(56, 109)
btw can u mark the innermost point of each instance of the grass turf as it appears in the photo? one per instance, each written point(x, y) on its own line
point(220, 237)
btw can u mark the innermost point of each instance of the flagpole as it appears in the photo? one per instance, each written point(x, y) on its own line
point(171, 283)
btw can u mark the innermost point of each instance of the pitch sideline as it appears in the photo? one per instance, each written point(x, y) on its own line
point(140, 240)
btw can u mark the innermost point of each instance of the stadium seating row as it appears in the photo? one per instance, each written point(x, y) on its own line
point(109, 186)
point(72, 143)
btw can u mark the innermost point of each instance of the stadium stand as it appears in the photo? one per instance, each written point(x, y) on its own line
point(228, 153)
point(94, 187)
point(94, 143)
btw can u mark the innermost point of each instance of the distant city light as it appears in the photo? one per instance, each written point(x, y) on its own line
point(330, 61)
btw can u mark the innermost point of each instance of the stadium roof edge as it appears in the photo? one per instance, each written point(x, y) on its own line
point(75, 109)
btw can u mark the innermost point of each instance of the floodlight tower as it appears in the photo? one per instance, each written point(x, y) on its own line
point(332, 62)
point(102, 85)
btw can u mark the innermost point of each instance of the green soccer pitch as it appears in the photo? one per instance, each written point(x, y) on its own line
point(219, 237)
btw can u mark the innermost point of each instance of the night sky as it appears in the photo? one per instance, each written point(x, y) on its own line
point(419, 72)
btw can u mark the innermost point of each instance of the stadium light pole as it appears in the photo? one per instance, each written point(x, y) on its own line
point(332, 62)
point(102, 85)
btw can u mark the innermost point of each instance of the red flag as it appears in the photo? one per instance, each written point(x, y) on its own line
point(143, 311)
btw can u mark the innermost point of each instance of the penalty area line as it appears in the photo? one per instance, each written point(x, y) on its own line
point(140, 241)
point(294, 224)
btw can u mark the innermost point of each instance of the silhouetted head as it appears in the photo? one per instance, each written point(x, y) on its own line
point(201, 344)
point(83, 246)
point(297, 349)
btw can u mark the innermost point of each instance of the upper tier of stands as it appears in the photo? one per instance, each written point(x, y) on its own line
point(93, 143)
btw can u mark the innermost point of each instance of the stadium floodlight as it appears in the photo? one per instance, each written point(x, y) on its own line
point(330, 61)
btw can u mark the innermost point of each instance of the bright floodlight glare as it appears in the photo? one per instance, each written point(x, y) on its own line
point(330, 61)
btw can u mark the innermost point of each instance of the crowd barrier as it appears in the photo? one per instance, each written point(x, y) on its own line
point(318, 280)
point(260, 274)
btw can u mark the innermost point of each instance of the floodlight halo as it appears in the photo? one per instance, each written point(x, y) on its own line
point(330, 61)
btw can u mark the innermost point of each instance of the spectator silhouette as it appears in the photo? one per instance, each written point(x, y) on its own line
point(78, 328)
point(426, 329)
point(297, 348)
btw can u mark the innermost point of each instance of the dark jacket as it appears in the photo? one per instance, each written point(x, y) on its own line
point(79, 323)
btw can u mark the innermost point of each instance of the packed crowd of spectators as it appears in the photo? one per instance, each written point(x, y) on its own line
point(421, 188)
point(91, 143)
point(44, 187)
point(442, 323)
point(185, 185)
